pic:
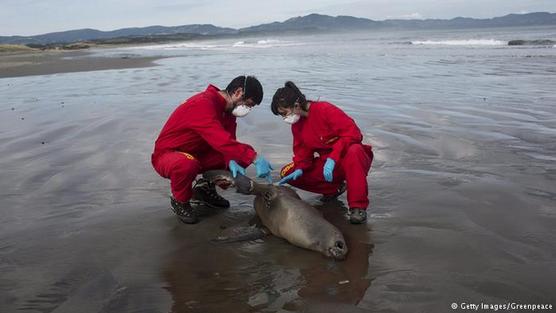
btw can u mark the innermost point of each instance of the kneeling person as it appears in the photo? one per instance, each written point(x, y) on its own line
point(200, 135)
point(321, 127)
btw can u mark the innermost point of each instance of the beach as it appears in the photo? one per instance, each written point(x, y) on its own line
point(462, 187)
point(27, 63)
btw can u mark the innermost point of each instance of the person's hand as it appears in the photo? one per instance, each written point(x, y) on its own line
point(328, 169)
point(236, 168)
point(292, 176)
point(263, 168)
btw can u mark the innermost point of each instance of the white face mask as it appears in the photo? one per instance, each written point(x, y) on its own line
point(241, 110)
point(292, 118)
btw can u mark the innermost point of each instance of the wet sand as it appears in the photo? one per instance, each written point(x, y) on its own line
point(462, 187)
point(52, 62)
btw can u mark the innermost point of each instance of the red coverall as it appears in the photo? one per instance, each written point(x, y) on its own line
point(198, 136)
point(331, 133)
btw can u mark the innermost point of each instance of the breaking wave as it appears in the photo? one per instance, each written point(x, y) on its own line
point(180, 46)
point(485, 42)
point(266, 43)
point(218, 45)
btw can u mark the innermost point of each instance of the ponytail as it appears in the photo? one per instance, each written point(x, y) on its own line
point(286, 97)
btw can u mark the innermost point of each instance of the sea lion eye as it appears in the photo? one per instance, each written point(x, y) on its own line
point(339, 244)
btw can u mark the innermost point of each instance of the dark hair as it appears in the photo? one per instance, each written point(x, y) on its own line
point(252, 88)
point(286, 97)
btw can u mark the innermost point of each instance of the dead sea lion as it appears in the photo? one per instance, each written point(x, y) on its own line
point(285, 215)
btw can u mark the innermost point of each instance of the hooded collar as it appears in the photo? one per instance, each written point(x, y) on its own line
point(213, 92)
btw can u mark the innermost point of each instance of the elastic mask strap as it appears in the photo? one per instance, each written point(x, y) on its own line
point(245, 88)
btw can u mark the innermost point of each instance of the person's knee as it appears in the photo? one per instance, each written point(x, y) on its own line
point(355, 150)
point(184, 169)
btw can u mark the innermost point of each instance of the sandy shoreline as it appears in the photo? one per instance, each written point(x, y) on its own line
point(52, 62)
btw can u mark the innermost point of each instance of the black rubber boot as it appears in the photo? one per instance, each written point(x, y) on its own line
point(184, 211)
point(357, 216)
point(341, 189)
point(204, 192)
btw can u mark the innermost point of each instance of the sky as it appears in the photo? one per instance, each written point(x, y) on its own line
point(33, 17)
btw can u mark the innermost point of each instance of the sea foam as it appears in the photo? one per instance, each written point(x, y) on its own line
point(217, 45)
point(265, 43)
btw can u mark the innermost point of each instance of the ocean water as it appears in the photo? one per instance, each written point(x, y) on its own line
point(463, 185)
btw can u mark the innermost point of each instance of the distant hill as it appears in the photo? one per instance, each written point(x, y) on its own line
point(317, 22)
point(511, 20)
point(311, 22)
point(88, 34)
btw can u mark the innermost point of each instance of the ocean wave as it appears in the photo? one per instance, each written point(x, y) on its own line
point(178, 46)
point(263, 43)
point(462, 42)
point(268, 41)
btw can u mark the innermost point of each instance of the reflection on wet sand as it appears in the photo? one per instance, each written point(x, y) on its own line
point(267, 275)
point(340, 282)
point(204, 277)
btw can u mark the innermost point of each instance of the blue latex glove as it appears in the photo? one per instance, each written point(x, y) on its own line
point(236, 168)
point(263, 168)
point(328, 169)
point(293, 176)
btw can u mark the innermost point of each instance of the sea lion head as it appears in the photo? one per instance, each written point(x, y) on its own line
point(220, 178)
point(243, 184)
point(336, 247)
point(224, 180)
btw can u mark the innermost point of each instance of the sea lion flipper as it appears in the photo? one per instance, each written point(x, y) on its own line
point(242, 233)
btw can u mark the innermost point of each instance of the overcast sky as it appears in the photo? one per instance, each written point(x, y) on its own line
point(32, 17)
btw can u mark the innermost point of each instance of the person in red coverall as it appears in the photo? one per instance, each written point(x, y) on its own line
point(322, 128)
point(200, 135)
